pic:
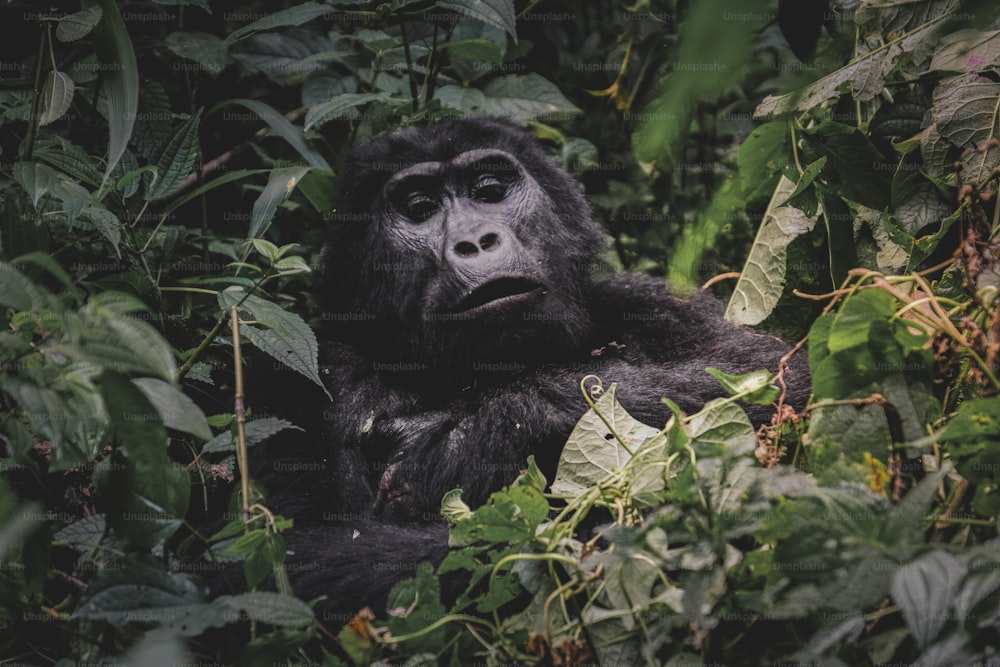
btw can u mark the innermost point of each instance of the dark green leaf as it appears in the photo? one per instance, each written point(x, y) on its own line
point(499, 13)
point(177, 159)
point(176, 410)
point(119, 77)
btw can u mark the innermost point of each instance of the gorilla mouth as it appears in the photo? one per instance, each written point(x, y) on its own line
point(497, 294)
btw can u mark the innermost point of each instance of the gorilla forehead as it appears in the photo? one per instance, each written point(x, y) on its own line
point(369, 167)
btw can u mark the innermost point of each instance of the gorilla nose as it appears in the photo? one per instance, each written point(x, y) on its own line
point(485, 243)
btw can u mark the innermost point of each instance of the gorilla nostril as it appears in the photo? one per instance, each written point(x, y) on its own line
point(487, 241)
point(466, 249)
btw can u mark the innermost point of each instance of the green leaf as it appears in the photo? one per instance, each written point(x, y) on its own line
point(288, 338)
point(342, 106)
point(147, 493)
point(904, 526)
point(592, 452)
point(762, 281)
point(498, 13)
point(964, 112)
point(284, 128)
point(137, 342)
point(524, 97)
point(809, 175)
point(70, 159)
point(721, 427)
point(967, 51)
point(271, 608)
point(84, 535)
point(119, 77)
point(106, 222)
point(177, 159)
point(210, 52)
point(57, 97)
point(36, 179)
point(479, 50)
point(453, 508)
point(17, 291)
point(754, 387)
point(761, 159)
point(287, 17)
point(532, 477)
point(79, 24)
point(263, 552)
point(510, 515)
point(257, 431)
point(176, 410)
point(925, 590)
point(211, 185)
point(280, 185)
point(659, 139)
point(852, 162)
point(73, 421)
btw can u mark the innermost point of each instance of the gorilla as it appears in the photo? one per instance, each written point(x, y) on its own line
point(461, 310)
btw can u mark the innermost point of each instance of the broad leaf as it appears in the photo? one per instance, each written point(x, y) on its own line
point(57, 96)
point(343, 106)
point(280, 185)
point(287, 338)
point(592, 452)
point(763, 279)
point(177, 159)
point(176, 410)
point(78, 24)
point(287, 17)
point(499, 13)
point(119, 77)
point(925, 590)
point(283, 128)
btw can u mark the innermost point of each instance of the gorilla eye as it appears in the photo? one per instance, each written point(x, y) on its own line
point(418, 207)
point(489, 190)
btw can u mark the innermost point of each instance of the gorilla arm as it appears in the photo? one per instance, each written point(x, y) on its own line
point(662, 348)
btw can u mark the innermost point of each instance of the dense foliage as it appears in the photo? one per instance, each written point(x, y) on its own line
point(166, 170)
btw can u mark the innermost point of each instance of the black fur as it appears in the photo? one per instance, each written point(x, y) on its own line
point(424, 403)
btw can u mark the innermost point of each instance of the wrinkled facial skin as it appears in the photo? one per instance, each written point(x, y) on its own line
point(468, 217)
point(460, 244)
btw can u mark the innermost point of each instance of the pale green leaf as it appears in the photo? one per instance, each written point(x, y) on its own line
point(967, 51)
point(177, 411)
point(592, 452)
point(280, 185)
point(763, 278)
point(17, 291)
point(57, 96)
point(924, 590)
point(79, 24)
point(272, 608)
point(36, 179)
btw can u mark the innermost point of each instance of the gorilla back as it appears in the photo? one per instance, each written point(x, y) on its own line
point(461, 313)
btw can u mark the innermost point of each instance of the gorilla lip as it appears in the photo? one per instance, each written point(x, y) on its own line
point(496, 294)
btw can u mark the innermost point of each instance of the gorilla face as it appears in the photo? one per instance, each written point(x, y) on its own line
point(477, 256)
point(467, 216)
